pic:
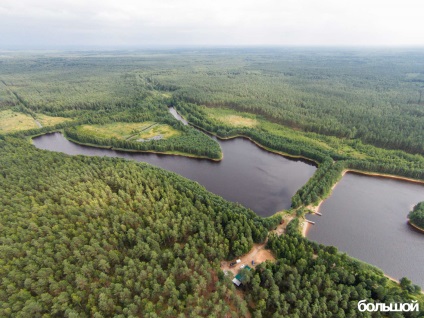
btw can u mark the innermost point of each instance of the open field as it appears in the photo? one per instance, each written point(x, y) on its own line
point(11, 121)
point(50, 120)
point(345, 147)
point(231, 118)
point(158, 130)
point(88, 236)
point(129, 131)
point(372, 99)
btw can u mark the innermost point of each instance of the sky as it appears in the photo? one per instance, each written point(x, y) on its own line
point(50, 24)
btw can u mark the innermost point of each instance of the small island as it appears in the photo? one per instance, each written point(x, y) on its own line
point(416, 217)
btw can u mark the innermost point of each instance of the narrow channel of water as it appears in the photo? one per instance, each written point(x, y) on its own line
point(366, 217)
point(249, 175)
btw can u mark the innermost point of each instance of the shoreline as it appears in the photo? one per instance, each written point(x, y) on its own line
point(383, 175)
point(284, 154)
point(281, 153)
point(305, 227)
point(391, 278)
point(416, 227)
point(145, 151)
point(131, 150)
point(315, 208)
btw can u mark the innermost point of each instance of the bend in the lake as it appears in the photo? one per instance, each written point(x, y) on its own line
point(258, 179)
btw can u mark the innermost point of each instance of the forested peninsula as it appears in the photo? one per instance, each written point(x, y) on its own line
point(416, 216)
point(98, 237)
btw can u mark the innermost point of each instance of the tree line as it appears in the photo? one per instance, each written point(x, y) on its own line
point(416, 216)
point(312, 280)
point(89, 236)
point(86, 236)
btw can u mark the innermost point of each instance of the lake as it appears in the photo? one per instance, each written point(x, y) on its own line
point(366, 218)
point(257, 179)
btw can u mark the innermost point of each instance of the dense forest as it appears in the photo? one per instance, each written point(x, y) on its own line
point(319, 186)
point(375, 96)
point(192, 142)
point(85, 236)
point(320, 149)
point(100, 237)
point(416, 216)
point(82, 236)
point(309, 280)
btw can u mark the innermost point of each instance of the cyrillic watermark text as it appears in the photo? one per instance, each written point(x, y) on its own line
point(362, 306)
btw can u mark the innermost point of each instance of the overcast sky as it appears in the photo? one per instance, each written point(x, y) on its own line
point(146, 23)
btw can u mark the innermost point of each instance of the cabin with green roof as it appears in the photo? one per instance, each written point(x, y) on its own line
point(238, 279)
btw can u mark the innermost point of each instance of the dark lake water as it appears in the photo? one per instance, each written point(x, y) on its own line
point(258, 179)
point(366, 217)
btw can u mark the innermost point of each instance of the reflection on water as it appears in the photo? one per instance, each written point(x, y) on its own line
point(259, 180)
point(366, 217)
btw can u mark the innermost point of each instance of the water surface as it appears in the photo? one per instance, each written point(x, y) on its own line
point(258, 179)
point(366, 217)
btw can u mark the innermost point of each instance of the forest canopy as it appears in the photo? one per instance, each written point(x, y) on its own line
point(98, 237)
point(416, 216)
point(375, 96)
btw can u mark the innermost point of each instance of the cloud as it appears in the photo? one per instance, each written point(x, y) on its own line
point(188, 22)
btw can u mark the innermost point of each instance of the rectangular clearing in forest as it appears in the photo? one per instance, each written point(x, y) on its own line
point(11, 121)
point(46, 121)
point(129, 131)
point(231, 118)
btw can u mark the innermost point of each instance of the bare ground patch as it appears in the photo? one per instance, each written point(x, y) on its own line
point(258, 254)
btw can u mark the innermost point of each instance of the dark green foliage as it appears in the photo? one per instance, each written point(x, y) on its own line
point(293, 227)
point(406, 284)
point(92, 237)
point(373, 96)
point(272, 222)
point(416, 216)
point(196, 117)
point(319, 186)
point(310, 280)
point(190, 142)
point(406, 168)
point(380, 160)
point(84, 235)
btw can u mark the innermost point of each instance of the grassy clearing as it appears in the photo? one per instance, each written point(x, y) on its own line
point(163, 130)
point(338, 145)
point(129, 131)
point(50, 121)
point(229, 117)
point(11, 121)
point(236, 119)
